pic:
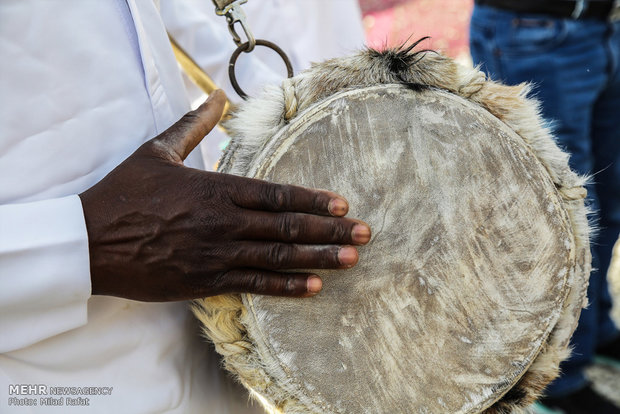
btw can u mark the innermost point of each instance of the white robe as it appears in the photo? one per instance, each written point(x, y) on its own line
point(307, 30)
point(82, 84)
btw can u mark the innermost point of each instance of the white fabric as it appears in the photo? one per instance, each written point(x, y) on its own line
point(47, 297)
point(307, 30)
point(82, 84)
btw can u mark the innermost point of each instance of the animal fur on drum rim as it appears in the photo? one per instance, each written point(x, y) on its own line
point(225, 318)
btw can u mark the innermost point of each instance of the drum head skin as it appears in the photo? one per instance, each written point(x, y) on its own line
point(470, 287)
point(454, 296)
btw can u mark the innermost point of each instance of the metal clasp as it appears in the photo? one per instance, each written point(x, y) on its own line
point(241, 48)
point(235, 14)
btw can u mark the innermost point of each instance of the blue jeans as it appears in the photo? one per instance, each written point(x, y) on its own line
point(575, 67)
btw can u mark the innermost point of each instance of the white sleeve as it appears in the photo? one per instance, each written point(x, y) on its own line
point(44, 270)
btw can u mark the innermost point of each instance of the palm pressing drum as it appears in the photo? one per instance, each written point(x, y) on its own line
point(466, 297)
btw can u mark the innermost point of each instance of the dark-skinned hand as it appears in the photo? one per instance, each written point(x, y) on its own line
point(160, 231)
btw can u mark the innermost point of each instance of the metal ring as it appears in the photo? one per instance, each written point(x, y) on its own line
point(242, 48)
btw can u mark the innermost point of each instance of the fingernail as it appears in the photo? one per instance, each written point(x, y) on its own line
point(212, 95)
point(338, 207)
point(347, 256)
point(360, 234)
point(314, 284)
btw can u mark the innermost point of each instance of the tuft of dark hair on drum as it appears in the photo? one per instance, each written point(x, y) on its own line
point(399, 60)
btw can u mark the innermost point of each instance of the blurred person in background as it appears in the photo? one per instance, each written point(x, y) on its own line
point(570, 51)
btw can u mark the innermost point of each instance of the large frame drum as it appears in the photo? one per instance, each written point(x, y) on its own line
point(466, 297)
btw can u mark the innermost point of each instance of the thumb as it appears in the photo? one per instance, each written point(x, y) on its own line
point(182, 137)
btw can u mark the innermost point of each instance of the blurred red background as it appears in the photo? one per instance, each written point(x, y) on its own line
point(394, 22)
